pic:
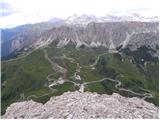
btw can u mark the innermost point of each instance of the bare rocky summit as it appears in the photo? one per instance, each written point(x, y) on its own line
point(84, 105)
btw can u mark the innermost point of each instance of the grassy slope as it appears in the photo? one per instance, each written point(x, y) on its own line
point(24, 76)
point(28, 75)
point(131, 76)
point(60, 90)
point(152, 81)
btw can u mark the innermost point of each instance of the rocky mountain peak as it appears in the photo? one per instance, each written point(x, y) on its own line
point(85, 19)
point(84, 105)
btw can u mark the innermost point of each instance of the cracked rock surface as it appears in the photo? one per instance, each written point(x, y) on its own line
point(84, 105)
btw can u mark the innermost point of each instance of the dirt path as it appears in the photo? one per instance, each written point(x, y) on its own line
point(146, 95)
point(21, 57)
point(35, 96)
point(55, 66)
point(82, 86)
point(58, 68)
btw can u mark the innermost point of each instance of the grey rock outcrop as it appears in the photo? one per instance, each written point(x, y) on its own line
point(22, 36)
point(84, 105)
point(94, 34)
point(109, 35)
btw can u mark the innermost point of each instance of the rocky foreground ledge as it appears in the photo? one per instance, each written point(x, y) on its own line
point(84, 105)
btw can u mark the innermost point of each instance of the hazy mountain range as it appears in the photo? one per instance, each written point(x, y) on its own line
point(106, 55)
point(86, 29)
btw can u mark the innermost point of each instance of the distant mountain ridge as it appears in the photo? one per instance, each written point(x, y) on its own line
point(85, 53)
point(32, 34)
point(85, 19)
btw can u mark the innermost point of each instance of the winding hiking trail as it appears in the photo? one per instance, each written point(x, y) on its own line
point(55, 66)
point(146, 95)
point(96, 61)
point(82, 86)
point(60, 69)
point(77, 77)
point(21, 57)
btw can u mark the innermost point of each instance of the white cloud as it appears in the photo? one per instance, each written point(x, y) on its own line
point(32, 11)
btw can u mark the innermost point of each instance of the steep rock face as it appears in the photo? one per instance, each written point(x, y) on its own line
point(84, 105)
point(109, 35)
point(22, 36)
point(95, 34)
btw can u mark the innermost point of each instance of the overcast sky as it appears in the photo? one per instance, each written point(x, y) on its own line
point(18, 12)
